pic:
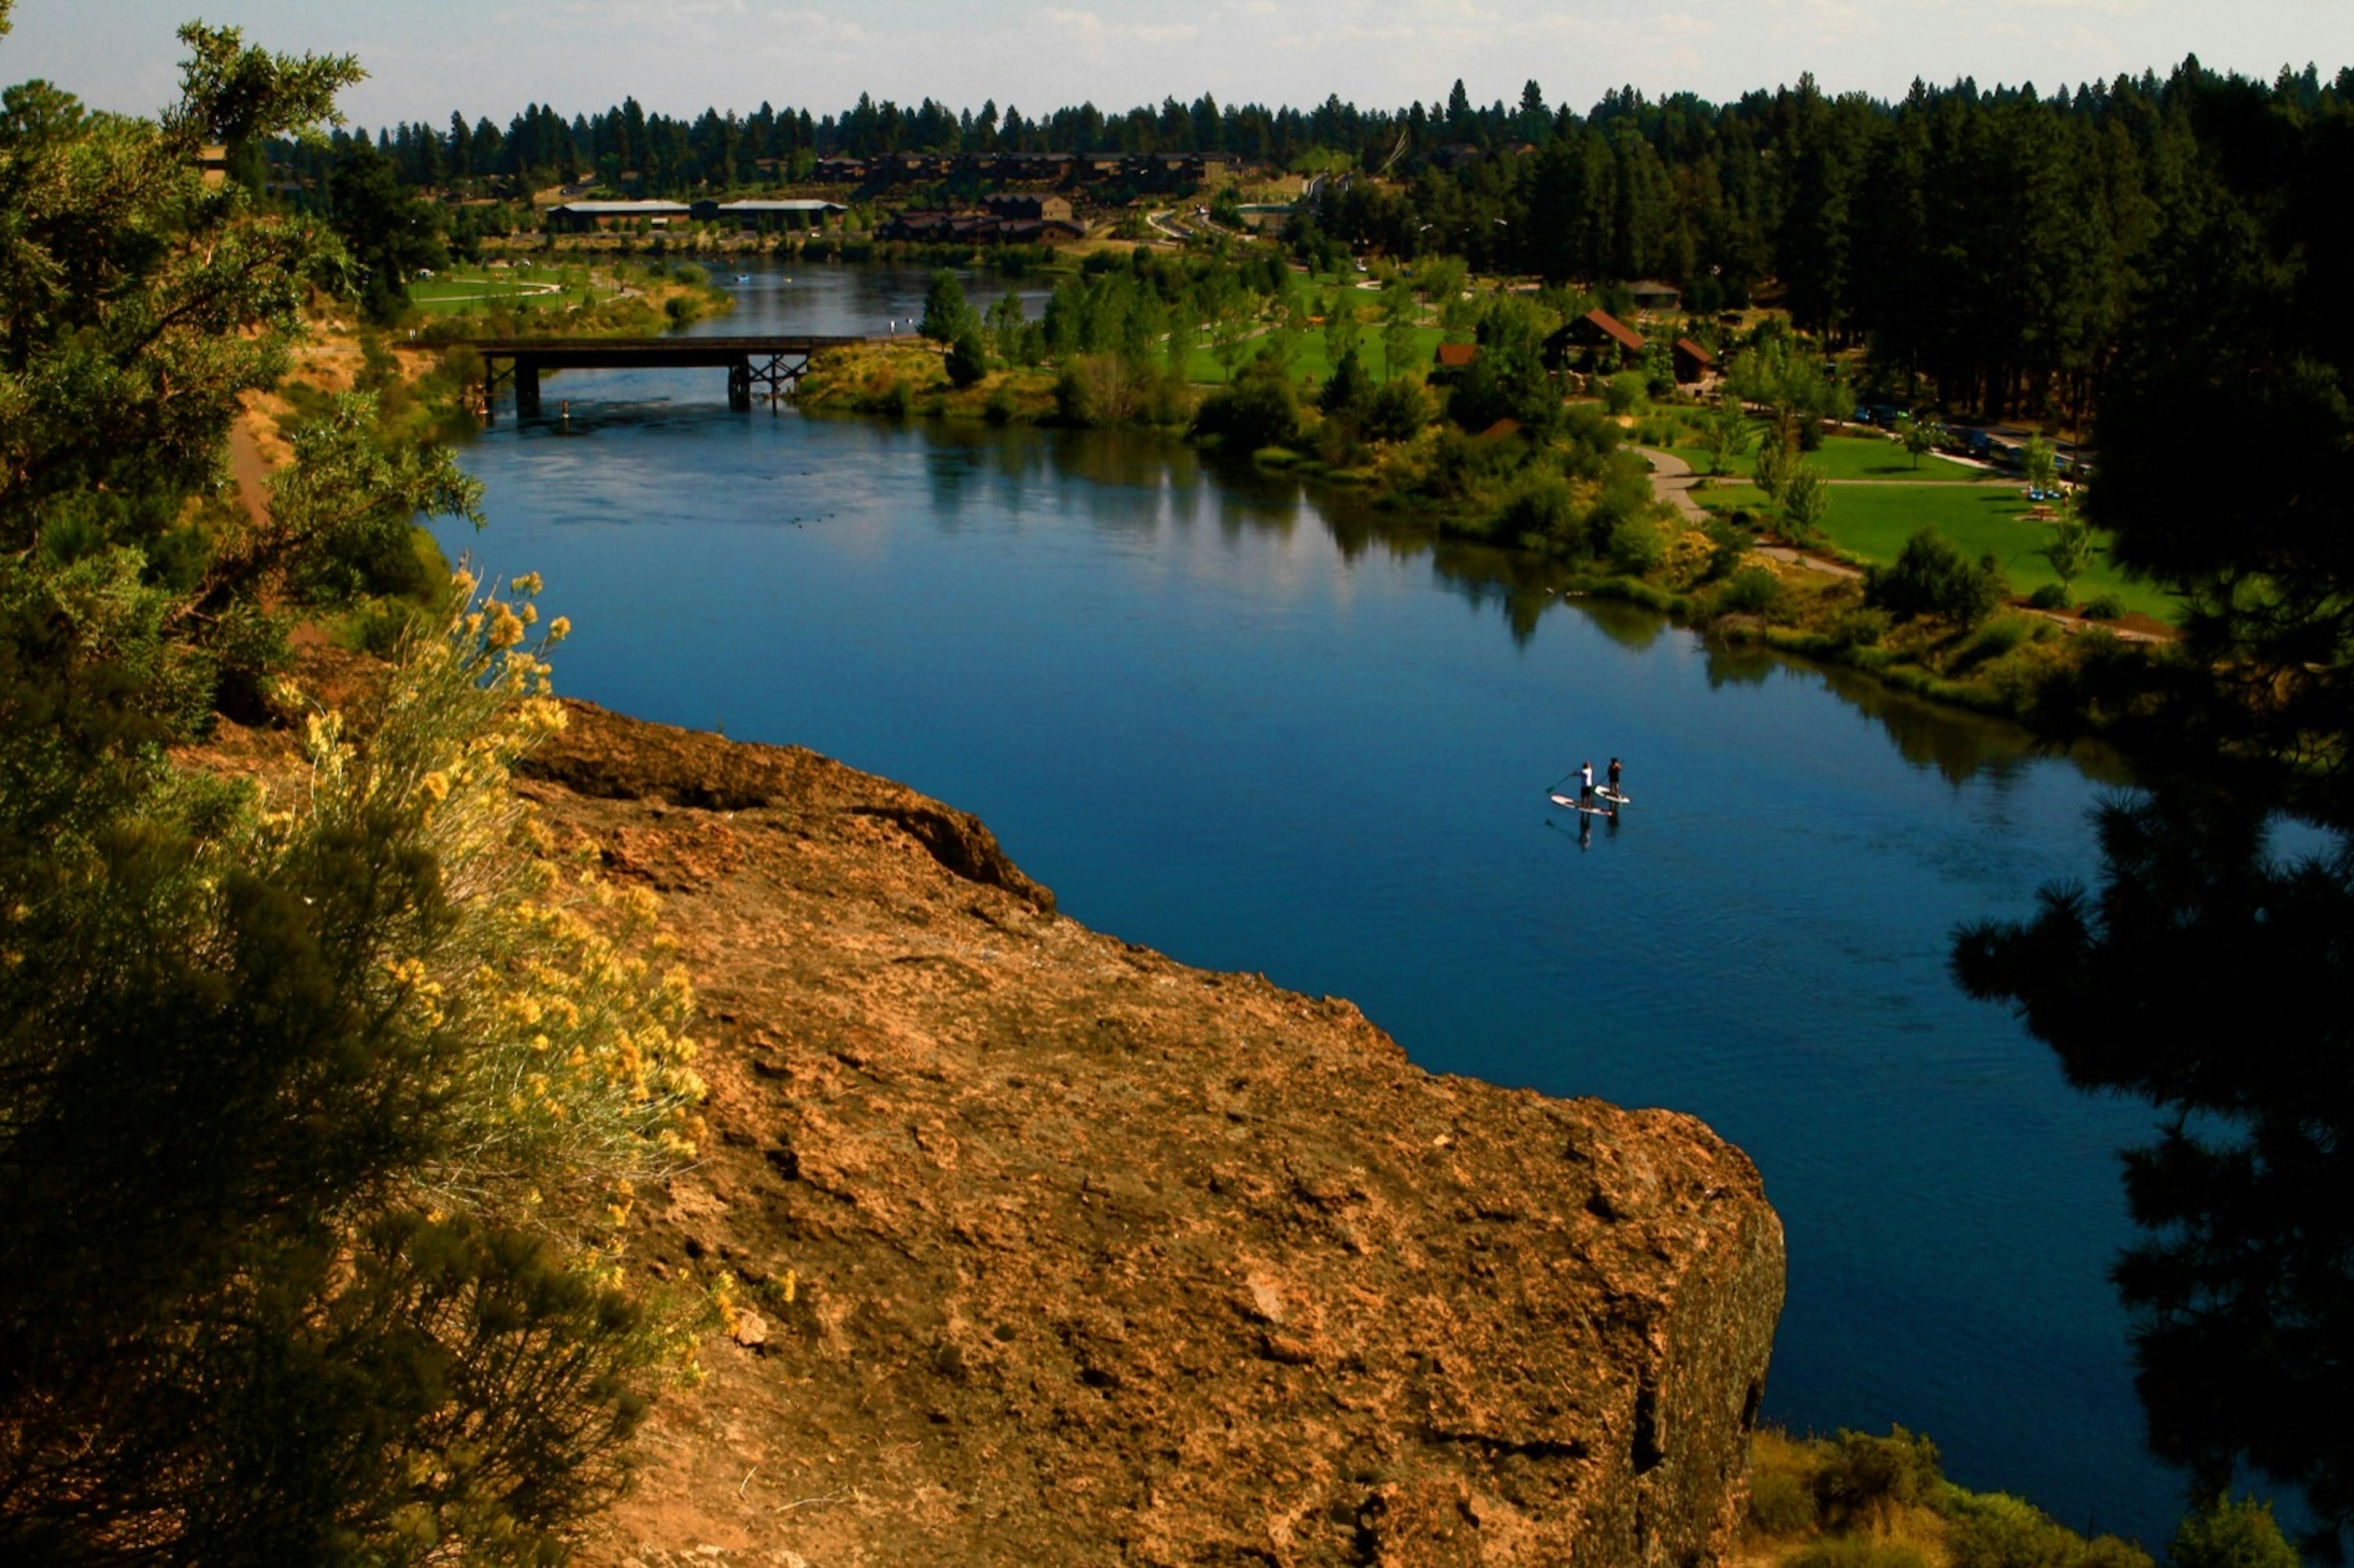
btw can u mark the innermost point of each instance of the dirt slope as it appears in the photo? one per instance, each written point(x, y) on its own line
point(1065, 1252)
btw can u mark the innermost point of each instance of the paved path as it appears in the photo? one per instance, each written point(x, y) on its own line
point(1789, 557)
point(1673, 480)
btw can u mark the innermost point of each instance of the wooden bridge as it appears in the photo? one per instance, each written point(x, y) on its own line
point(770, 362)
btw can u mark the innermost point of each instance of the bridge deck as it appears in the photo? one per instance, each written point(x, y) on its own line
point(624, 353)
point(773, 363)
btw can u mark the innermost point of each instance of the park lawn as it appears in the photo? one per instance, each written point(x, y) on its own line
point(1312, 363)
point(451, 293)
point(1871, 522)
point(1855, 457)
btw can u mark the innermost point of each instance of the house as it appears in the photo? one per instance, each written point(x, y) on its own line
point(1028, 168)
point(840, 172)
point(1453, 359)
point(1694, 362)
point(944, 226)
point(1021, 205)
point(768, 215)
point(1598, 338)
point(587, 216)
point(1650, 295)
point(902, 168)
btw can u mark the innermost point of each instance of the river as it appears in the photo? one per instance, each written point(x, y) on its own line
point(1220, 715)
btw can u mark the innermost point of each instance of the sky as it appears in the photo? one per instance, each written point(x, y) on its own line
point(427, 57)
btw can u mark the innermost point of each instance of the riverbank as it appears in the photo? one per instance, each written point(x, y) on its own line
point(1705, 565)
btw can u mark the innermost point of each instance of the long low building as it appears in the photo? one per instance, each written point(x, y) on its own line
point(586, 217)
point(795, 212)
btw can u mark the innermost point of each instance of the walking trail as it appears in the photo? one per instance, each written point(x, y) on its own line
point(1673, 480)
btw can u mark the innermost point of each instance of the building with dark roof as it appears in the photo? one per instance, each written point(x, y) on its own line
point(792, 213)
point(587, 216)
point(1694, 362)
point(1599, 338)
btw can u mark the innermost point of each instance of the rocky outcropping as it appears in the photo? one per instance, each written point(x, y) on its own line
point(1056, 1251)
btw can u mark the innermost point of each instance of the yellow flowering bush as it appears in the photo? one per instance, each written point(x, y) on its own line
point(553, 1023)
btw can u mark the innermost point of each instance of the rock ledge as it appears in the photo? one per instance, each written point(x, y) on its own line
point(1060, 1252)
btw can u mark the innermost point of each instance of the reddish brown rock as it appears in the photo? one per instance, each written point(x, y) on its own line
point(1066, 1253)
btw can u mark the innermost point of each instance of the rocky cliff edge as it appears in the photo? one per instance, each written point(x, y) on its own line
point(1057, 1251)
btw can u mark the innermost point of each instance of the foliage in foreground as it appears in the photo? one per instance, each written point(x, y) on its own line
point(2206, 972)
point(1855, 1500)
point(320, 1098)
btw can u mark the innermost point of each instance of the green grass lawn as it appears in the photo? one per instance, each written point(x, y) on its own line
point(1855, 457)
point(452, 293)
point(1312, 361)
point(1871, 522)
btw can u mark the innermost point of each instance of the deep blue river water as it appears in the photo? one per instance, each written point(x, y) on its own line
point(1219, 718)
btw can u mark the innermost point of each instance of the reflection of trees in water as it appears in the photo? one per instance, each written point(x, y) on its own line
point(2202, 975)
point(1740, 664)
point(1959, 746)
point(2217, 983)
point(1517, 584)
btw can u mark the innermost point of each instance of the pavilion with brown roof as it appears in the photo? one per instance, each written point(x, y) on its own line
point(1610, 341)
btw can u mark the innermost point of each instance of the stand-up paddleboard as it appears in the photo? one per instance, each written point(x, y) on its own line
point(1571, 803)
point(1615, 798)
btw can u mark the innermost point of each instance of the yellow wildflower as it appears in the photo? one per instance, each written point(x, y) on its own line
point(505, 629)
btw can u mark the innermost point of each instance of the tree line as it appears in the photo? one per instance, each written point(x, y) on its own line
point(1984, 244)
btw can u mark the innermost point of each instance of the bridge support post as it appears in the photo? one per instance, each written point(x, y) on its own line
point(527, 380)
point(739, 385)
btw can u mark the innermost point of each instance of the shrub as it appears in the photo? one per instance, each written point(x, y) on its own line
point(1638, 545)
point(1589, 441)
point(1866, 1475)
point(1994, 1529)
point(1728, 543)
point(1258, 410)
point(2228, 1534)
point(2050, 595)
point(1624, 498)
point(1930, 576)
point(1858, 629)
point(1001, 408)
point(1780, 1502)
point(2104, 607)
point(1623, 393)
point(1103, 390)
point(1751, 591)
point(1397, 410)
point(1541, 503)
point(1991, 641)
point(2110, 1552)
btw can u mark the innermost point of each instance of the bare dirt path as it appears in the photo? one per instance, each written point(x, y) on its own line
point(251, 472)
